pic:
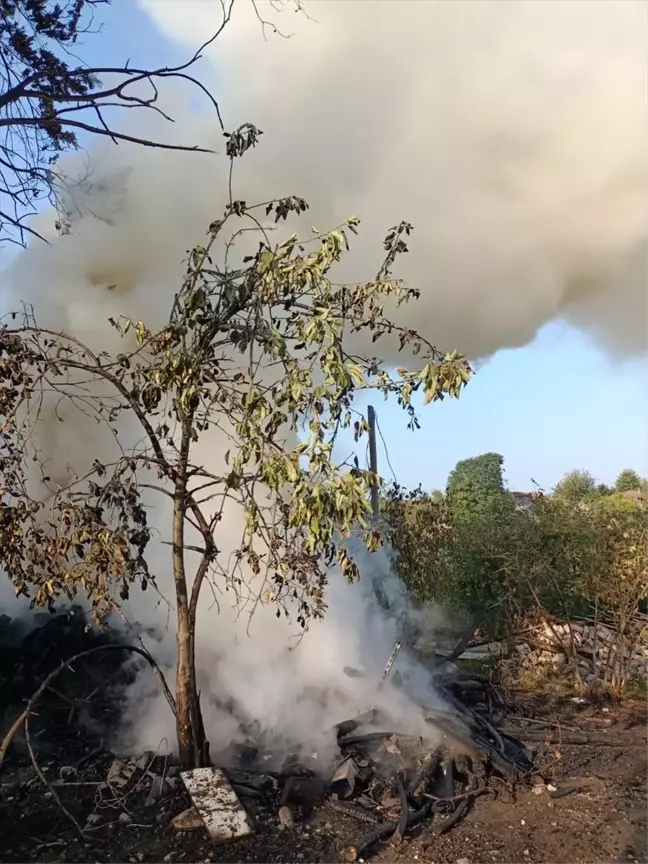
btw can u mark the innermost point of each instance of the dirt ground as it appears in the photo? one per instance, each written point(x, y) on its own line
point(605, 821)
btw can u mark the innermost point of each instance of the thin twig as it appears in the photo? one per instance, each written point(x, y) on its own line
point(472, 793)
point(39, 771)
point(6, 741)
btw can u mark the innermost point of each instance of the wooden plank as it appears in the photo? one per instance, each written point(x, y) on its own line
point(217, 803)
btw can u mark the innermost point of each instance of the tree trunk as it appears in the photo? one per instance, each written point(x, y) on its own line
point(192, 747)
point(184, 695)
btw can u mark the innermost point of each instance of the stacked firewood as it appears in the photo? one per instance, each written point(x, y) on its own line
point(597, 648)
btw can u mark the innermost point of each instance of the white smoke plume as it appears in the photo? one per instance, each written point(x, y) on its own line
point(513, 137)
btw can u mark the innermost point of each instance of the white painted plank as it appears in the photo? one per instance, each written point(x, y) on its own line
point(213, 797)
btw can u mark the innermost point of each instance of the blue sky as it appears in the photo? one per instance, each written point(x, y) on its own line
point(555, 405)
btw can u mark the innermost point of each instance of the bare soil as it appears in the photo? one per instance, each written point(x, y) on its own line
point(606, 821)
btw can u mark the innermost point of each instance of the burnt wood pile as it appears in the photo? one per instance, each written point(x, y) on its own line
point(391, 783)
point(471, 743)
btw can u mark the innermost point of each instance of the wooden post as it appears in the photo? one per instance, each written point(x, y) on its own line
point(373, 460)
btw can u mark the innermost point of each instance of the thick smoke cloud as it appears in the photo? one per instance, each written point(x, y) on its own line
point(512, 135)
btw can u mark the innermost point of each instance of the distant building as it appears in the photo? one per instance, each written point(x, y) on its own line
point(524, 500)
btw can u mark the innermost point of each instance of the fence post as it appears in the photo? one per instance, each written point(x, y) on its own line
point(373, 460)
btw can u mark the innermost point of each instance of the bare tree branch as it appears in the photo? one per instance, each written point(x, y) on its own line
point(40, 89)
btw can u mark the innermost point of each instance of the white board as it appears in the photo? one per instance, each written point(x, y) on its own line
point(213, 797)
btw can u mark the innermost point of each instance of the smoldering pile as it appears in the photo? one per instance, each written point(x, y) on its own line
point(394, 782)
point(386, 781)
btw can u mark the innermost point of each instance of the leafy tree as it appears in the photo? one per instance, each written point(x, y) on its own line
point(476, 485)
point(482, 512)
point(420, 531)
point(47, 97)
point(618, 587)
point(256, 351)
point(576, 486)
point(627, 481)
point(449, 550)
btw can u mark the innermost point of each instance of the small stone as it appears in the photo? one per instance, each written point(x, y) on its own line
point(551, 787)
point(285, 817)
point(67, 771)
point(140, 856)
point(188, 820)
point(526, 852)
point(125, 818)
point(462, 861)
point(94, 819)
point(168, 858)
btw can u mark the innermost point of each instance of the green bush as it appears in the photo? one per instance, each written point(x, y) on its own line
point(474, 553)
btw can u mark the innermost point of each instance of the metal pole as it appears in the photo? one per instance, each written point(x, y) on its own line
point(373, 460)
